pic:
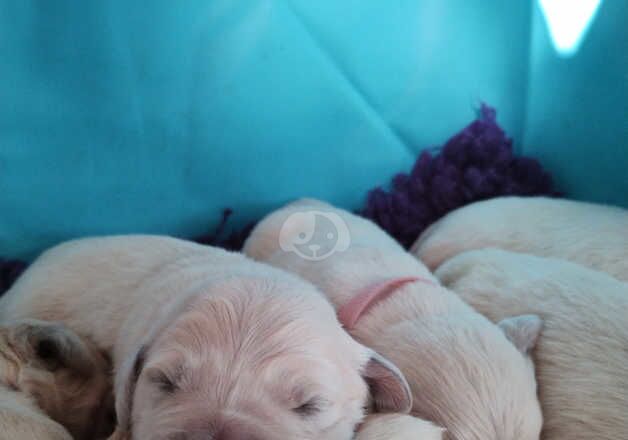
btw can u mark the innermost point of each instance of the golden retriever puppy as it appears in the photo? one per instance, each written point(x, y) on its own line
point(595, 236)
point(582, 355)
point(208, 344)
point(468, 375)
point(54, 385)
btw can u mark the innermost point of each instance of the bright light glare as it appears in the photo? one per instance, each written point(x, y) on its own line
point(568, 22)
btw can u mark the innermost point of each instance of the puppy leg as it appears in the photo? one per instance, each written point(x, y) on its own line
point(397, 427)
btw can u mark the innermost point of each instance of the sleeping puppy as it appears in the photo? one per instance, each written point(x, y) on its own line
point(208, 344)
point(468, 375)
point(595, 236)
point(53, 384)
point(582, 355)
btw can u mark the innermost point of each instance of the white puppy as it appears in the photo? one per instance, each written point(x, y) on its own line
point(595, 236)
point(582, 355)
point(208, 344)
point(466, 374)
point(53, 384)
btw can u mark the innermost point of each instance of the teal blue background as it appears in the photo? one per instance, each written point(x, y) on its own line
point(138, 116)
point(577, 108)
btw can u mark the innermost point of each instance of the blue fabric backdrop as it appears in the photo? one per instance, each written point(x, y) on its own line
point(577, 108)
point(134, 116)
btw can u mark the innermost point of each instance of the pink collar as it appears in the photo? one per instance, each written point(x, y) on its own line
point(352, 311)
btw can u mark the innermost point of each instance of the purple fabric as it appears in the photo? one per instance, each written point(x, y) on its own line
point(232, 241)
point(476, 164)
point(9, 271)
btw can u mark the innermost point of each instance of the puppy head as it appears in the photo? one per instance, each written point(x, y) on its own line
point(66, 376)
point(257, 364)
point(478, 380)
point(314, 235)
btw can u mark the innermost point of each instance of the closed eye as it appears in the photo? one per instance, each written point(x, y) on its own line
point(309, 408)
point(164, 383)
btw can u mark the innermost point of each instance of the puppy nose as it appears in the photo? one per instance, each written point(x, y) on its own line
point(314, 247)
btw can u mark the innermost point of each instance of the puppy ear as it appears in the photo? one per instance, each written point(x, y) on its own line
point(54, 345)
point(125, 382)
point(523, 331)
point(389, 389)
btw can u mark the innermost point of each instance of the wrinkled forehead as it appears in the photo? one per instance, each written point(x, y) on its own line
point(258, 329)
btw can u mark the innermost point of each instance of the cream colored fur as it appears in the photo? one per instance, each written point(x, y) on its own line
point(53, 385)
point(207, 344)
point(22, 419)
point(397, 427)
point(582, 355)
point(595, 236)
point(464, 373)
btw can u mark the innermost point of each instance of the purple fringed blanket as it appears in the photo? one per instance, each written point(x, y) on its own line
point(9, 271)
point(476, 164)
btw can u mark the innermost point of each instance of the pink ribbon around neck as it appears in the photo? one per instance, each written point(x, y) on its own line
point(366, 298)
